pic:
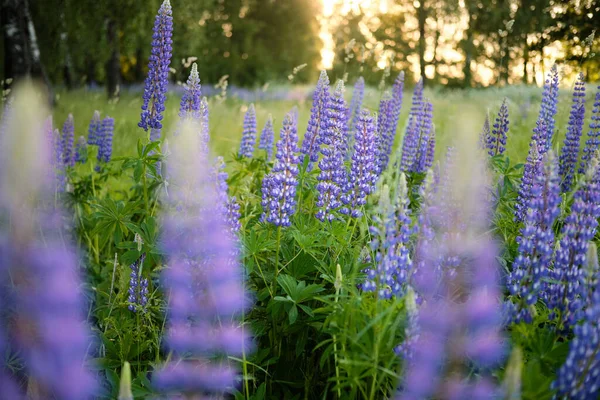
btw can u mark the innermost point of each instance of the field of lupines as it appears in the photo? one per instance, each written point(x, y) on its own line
point(349, 264)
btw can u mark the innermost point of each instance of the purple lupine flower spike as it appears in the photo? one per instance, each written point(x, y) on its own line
point(228, 207)
point(536, 243)
point(393, 265)
point(94, 129)
point(105, 140)
point(190, 101)
point(593, 142)
point(42, 318)
point(485, 134)
point(459, 320)
point(392, 115)
point(568, 292)
point(203, 279)
point(363, 170)
point(420, 164)
point(532, 168)
point(279, 186)
point(430, 155)
point(68, 138)
point(385, 140)
point(332, 175)
point(267, 138)
point(204, 125)
point(413, 130)
point(358, 95)
point(138, 286)
point(317, 123)
point(577, 378)
point(570, 150)
point(81, 150)
point(249, 133)
point(496, 140)
point(155, 87)
point(544, 129)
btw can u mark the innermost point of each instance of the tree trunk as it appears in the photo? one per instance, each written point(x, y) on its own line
point(468, 50)
point(21, 50)
point(422, 17)
point(525, 64)
point(113, 65)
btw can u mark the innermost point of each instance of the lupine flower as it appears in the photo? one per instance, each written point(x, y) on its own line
point(68, 141)
point(363, 171)
point(429, 157)
point(459, 321)
point(577, 378)
point(385, 140)
point(279, 186)
point(536, 244)
point(413, 131)
point(81, 150)
point(332, 176)
point(566, 296)
point(486, 132)
point(138, 286)
point(420, 163)
point(233, 215)
point(94, 129)
point(544, 129)
point(593, 142)
point(392, 231)
point(204, 125)
point(496, 140)
point(42, 319)
point(249, 133)
point(570, 150)
point(155, 87)
point(203, 279)
point(267, 137)
point(190, 101)
point(532, 168)
point(105, 140)
point(229, 208)
point(358, 95)
point(317, 123)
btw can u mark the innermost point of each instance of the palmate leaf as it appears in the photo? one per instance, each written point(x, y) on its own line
point(113, 219)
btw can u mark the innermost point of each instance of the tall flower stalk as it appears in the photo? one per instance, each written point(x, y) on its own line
point(593, 142)
point(570, 150)
point(249, 133)
point(155, 87)
point(203, 280)
point(279, 186)
point(267, 138)
point(332, 176)
point(496, 139)
point(317, 124)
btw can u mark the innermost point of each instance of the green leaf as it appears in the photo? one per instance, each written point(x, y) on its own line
point(293, 314)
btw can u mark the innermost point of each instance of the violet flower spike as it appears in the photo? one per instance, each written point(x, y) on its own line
point(279, 186)
point(544, 129)
point(496, 140)
point(68, 141)
point(532, 168)
point(192, 93)
point(94, 129)
point(81, 150)
point(267, 138)
point(317, 123)
point(536, 244)
point(138, 286)
point(332, 176)
point(363, 171)
point(203, 279)
point(249, 133)
point(155, 86)
point(570, 150)
point(105, 140)
point(593, 142)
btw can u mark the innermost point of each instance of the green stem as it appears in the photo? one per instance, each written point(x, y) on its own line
point(146, 204)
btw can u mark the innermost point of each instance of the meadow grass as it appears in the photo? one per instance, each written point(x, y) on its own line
point(454, 110)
